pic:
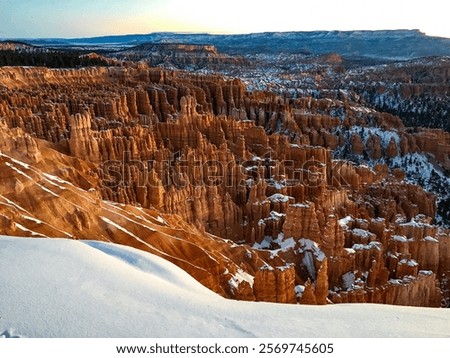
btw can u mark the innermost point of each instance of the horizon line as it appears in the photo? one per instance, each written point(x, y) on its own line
point(218, 34)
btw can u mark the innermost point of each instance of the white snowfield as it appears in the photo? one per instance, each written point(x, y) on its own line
point(67, 288)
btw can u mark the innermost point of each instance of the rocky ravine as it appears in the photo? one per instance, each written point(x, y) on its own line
point(240, 189)
point(416, 91)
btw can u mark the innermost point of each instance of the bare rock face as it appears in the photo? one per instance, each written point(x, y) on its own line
point(373, 146)
point(321, 289)
point(81, 143)
point(436, 142)
point(301, 222)
point(179, 55)
point(21, 143)
point(357, 144)
point(240, 189)
point(308, 297)
point(275, 284)
point(391, 149)
point(51, 206)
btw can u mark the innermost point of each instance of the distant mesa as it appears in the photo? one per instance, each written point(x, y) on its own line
point(396, 44)
point(184, 47)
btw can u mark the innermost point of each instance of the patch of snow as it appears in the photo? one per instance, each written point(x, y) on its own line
point(33, 233)
point(51, 179)
point(286, 244)
point(311, 246)
point(239, 277)
point(432, 239)
point(299, 289)
point(385, 135)
point(308, 263)
point(362, 233)
point(393, 255)
point(161, 220)
point(121, 228)
point(285, 267)
point(399, 238)
point(425, 272)
point(412, 223)
point(32, 219)
point(19, 171)
point(12, 203)
point(301, 205)
point(395, 281)
point(371, 245)
point(279, 198)
point(55, 178)
point(411, 263)
point(266, 243)
point(266, 267)
point(275, 215)
point(15, 161)
point(345, 221)
point(101, 289)
point(348, 280)
point(46, 189)
point(127, 217)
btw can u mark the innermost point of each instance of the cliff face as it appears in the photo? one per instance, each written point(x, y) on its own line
point(240, 189)
point(180, 56)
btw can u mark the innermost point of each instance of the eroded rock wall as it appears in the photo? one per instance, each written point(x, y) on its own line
point(255, 170)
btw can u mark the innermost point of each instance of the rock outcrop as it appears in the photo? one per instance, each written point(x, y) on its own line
point(240, 189)
point(179, 55)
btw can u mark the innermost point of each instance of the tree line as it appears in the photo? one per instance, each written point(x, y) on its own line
point(49, 58)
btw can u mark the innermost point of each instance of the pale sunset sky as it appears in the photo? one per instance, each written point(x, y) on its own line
point(86, 18)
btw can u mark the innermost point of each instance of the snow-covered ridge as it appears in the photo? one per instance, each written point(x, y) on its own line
point(97, 289)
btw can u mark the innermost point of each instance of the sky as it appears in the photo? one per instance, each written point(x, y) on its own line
point(86, 18)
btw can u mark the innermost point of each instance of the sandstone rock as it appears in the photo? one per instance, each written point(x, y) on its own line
point(275, 284)
point(220, 181)
point(391, 150)
point(81, 143)
point(308, 297)
point(321, 286)
point(357, 144)
point(301, 222)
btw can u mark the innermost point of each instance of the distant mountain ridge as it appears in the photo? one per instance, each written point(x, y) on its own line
point(394, 44)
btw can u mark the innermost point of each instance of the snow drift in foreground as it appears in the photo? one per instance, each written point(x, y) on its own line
point(67, 288)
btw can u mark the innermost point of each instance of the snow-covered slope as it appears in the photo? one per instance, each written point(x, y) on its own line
point(68, 288)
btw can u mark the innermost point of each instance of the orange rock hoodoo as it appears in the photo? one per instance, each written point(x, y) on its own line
point(237, 188)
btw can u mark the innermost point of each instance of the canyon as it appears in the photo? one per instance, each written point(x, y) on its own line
point(259, 194)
